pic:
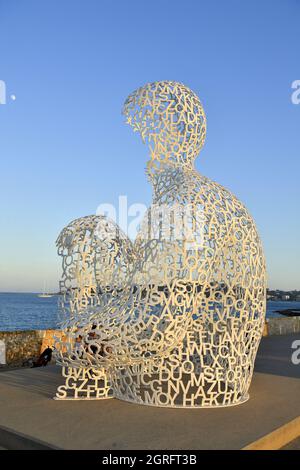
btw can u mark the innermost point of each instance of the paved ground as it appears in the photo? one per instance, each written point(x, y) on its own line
point(294, 445)
point(29, 418)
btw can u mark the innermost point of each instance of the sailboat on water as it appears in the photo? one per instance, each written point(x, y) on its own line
point(45, 294)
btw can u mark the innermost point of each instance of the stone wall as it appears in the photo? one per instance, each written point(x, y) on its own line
point(20, 346)
point(282, 326)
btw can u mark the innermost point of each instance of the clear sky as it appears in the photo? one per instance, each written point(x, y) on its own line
point(64, 147)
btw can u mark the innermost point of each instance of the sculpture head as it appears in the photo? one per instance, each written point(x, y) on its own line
point(171, 120)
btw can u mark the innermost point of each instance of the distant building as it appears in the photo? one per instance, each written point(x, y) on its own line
point(279, 295)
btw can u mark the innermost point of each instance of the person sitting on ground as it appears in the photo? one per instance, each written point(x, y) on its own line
point(91, 336)
point(44, 358)
point(78, 346)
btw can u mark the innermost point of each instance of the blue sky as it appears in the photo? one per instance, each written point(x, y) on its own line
point(64, 147)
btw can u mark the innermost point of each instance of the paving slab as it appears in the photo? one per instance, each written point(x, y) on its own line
point(294, 445)
point(27, 408)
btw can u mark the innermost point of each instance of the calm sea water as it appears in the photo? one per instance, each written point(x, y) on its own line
point(30, 312)
point(27, 312)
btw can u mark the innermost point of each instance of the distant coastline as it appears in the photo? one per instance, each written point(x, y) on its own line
point(282, 295)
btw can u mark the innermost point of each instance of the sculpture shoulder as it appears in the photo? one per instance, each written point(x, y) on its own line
point(218, 196)
point(190, 187)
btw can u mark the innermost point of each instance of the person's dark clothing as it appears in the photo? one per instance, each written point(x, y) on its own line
point(44, 358)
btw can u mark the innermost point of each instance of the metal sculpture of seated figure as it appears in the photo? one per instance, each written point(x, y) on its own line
point(175, 317)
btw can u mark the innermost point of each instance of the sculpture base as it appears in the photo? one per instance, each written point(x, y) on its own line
point(84, 384)
point(81, 398)
point(136, 402)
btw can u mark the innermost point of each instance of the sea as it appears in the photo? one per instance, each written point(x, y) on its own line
point(20, 311)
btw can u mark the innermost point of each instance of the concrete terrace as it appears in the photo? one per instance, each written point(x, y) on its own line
point(31, 419)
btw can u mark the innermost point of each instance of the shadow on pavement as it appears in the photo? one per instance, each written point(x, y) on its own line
point(275, 356)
